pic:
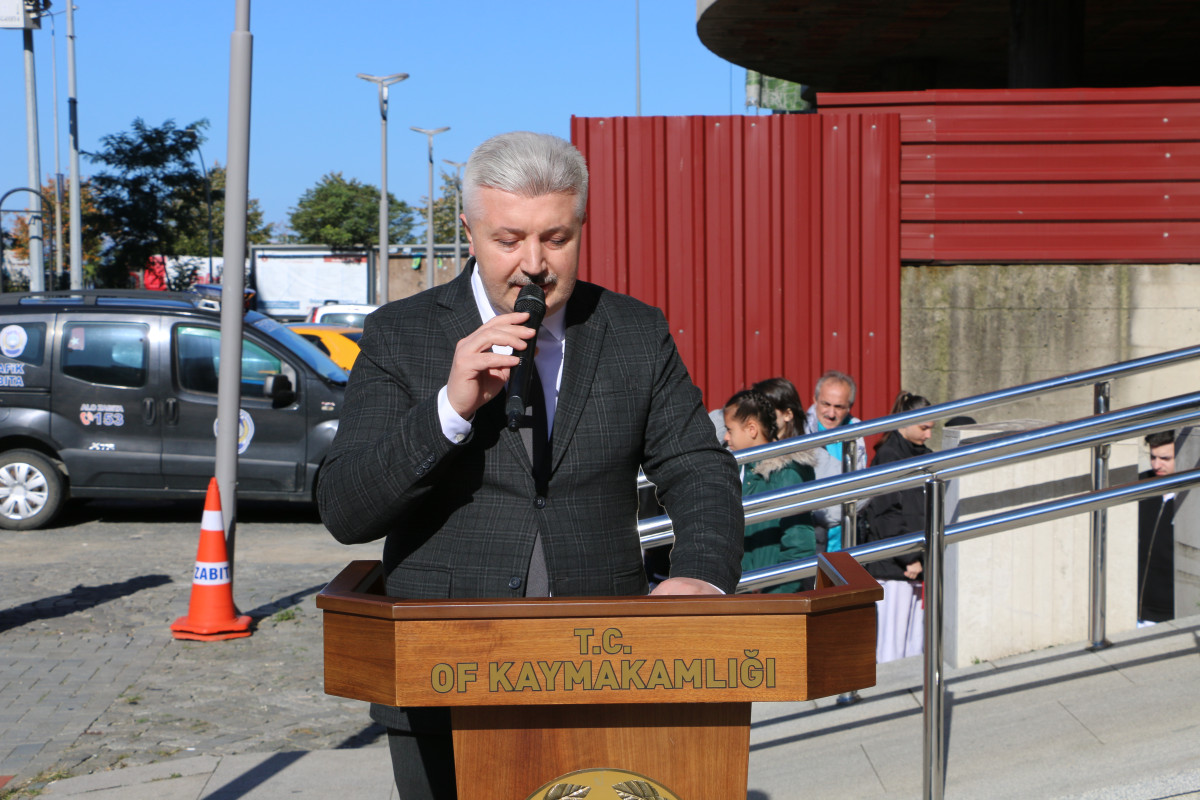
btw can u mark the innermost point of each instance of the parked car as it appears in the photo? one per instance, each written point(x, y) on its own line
point(114, 394)
point(339, 342)
point(341, 314)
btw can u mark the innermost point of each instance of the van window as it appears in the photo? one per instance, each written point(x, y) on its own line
point(198, 362)
point(109, 353)
point(24, 342)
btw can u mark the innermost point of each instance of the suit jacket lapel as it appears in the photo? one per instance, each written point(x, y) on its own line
point(459, 319)
point(585, 331)
point(460, 316)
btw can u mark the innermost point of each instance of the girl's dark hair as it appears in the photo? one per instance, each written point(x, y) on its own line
point(783, 395)
point(905, 401)
point(753, 404)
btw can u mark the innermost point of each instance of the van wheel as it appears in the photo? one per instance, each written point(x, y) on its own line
point(31, 490)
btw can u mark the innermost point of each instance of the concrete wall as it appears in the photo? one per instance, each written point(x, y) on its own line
point(967, 330)
point(1187, 530)
point(404, 281)
point(1022, 590)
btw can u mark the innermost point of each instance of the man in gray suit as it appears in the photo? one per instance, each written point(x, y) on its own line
point(468, 508)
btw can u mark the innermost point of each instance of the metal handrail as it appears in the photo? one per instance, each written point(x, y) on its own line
point(1003, 451)
point(982, 526)
point(933, 470)
point(956, 407)
point(933, 541)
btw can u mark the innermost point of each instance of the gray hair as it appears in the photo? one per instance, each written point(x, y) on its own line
point(526, 164)
point(841, 377)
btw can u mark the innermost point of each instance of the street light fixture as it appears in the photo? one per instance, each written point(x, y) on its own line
point(383, 82)
point(429, 207)
point(458, 165)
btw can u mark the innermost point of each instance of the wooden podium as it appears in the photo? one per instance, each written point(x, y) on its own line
point(657, 687)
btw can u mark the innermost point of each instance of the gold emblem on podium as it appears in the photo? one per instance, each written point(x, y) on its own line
point(603, 784)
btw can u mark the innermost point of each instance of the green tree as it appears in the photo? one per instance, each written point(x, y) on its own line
point(443, 212)
point(342, 214)
point(196, 244)
point(146, 198)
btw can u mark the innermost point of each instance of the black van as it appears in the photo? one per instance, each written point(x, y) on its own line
point(114, 394)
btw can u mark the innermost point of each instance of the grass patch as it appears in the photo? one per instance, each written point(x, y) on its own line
point(34, 786)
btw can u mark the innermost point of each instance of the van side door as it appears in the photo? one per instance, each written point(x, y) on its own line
point(271, 441)
point(106, 418)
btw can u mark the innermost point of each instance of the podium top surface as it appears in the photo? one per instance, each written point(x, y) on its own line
point(842, 582)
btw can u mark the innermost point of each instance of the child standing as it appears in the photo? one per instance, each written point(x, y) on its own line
point(750, 422)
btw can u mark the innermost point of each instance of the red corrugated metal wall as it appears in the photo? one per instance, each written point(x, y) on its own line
point(1045, 175)
point(771, 243)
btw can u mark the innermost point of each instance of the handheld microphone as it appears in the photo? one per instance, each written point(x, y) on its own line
point(533, 300)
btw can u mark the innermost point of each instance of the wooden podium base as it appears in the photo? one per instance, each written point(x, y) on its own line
point(656, 688)
point(696, 750)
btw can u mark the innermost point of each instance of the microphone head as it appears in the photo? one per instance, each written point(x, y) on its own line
point(532, 300)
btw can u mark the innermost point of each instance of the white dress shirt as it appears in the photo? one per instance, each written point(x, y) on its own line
point(551, 350)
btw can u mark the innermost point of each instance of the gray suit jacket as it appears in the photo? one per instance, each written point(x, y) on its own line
point(460, 519)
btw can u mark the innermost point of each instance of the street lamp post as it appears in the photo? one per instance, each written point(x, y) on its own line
point(4, 197)
point(207, 198)
point(76, 223)
point(383, 82)
point(429, 207)
point(58, 177)
point(37, 266)
point(458, 165)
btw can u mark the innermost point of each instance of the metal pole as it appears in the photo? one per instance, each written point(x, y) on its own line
point(429, 207)
point(36, 259)
point(4, 197)
point(429, 237)
point(458, 165)
point(237, 174)
point(849, 509)
point(935, 692)
point(385, 261)
point(383, 271)
point(1097, 575)
point(849, 534)
point(76, 213)
point(58, 178)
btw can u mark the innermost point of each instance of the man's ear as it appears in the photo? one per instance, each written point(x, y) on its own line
point(467, 229)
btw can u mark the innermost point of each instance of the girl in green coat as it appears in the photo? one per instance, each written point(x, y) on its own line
point(750, 422)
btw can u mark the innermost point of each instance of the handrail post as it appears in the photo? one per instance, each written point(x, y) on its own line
point(849, 534)
point(1097, 576)
point(849, 509)
point(935, 692)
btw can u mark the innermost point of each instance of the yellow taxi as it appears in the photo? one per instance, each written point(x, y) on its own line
point(339, 342)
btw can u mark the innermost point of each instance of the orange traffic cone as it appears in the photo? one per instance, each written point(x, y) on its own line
point(211, 614)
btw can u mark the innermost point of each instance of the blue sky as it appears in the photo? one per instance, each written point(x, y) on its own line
point(482, 67)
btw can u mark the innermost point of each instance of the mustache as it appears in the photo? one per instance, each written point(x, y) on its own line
point(523, 280)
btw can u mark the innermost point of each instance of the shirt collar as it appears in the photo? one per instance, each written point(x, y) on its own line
point(554, 324)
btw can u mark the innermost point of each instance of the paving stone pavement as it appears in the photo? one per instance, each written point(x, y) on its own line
point(91, 678)
point(93, 686)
